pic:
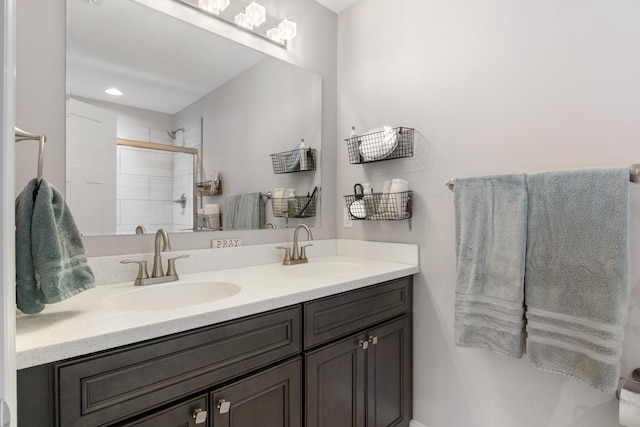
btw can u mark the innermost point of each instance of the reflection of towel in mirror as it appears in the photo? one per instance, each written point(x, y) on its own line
point(230, 211)
point(243, 211)
point(50, 259)
point(250, 214)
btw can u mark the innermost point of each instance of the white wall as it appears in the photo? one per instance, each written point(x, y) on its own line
point(40, 88)
point(491, 86)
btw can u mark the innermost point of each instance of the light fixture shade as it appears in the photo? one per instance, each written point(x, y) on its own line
point(287, 29)
point(256, 14)
point(213, 6)
point(274, 34)
point(243, 20)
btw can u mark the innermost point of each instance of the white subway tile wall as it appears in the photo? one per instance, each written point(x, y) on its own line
point(149, 181)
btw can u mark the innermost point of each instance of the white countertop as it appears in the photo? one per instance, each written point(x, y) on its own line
point(82, 325)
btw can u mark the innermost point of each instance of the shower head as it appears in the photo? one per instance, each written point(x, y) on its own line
point(172, 133)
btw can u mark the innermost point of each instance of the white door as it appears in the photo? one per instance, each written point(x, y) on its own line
point(7, 233)
point(91, 167)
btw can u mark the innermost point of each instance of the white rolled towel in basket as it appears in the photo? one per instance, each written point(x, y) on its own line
point(398, 200)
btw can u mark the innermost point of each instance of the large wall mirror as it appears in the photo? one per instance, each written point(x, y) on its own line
point(251, 122)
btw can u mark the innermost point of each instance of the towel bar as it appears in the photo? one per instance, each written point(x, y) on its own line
point(634, 176)
point(634, 381)
point(22, 135)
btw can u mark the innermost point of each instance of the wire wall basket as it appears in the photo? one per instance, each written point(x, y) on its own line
point(294, 207)
point(380, 206)
point(209, 222)
point(209, 188)
point(298, 160)
point(386, 144)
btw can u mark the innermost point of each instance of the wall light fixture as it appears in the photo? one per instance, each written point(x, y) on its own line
point(249, 17)
point(213, 6)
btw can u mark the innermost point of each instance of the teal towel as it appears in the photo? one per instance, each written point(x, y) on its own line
point(491, 223)
point(577, 273)
point(50, 258)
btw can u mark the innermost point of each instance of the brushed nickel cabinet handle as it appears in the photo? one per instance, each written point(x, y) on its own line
point(199, 415)
point(224, 406)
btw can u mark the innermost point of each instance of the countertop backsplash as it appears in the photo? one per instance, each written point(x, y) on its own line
point(108, 269)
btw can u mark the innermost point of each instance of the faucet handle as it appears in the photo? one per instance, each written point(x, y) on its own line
point(142, 270)
point(287, 255)
point(303, 254)
point(171, 267)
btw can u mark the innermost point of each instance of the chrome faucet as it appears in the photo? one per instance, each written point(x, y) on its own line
point(157, 275)
point(297, 254)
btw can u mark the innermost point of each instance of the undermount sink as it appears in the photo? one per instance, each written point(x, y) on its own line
point(323, 269)
point(170, 295)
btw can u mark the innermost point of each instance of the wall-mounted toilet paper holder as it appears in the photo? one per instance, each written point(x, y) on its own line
point(632, 383)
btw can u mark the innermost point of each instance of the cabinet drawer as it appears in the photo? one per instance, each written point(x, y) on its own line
point(335, 316)
point(112, 386)
point(180, 415)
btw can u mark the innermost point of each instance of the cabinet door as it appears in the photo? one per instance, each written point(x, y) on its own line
point(272, 398)
point(181, 415)
point(335, 384)
point(389, 374)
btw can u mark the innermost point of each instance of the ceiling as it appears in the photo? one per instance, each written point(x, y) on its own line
point(336, 5)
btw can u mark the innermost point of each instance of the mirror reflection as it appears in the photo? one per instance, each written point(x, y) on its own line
point(183, 86)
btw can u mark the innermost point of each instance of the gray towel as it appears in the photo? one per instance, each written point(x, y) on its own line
point(231, 202)
point(243, 211)
point(577, 273)
point(491, 221)
point(50, 259)
point(250, 214)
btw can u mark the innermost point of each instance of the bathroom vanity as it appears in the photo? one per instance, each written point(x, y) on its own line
point(342, 358)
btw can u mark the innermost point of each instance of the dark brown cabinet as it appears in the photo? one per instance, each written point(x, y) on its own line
point(389, 374)
point(358, 357)
point(340, 361)
point(363, 380)
point(335, 385)
point(113, 386)
point(269, 399)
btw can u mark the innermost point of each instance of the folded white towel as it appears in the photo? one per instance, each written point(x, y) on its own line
point(279, 204)
point(211, 209)
point(398, 198)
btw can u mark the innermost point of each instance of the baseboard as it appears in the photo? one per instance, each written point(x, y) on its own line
point(414, 423)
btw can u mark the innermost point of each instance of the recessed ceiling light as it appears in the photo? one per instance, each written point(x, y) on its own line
point(114, 91)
